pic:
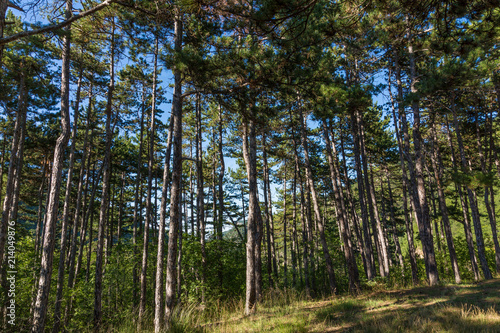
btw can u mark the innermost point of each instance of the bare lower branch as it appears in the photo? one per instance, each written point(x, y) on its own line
point(53, 27)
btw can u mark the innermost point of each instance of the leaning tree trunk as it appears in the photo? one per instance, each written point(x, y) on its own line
point(42, 297)
point(65, 221)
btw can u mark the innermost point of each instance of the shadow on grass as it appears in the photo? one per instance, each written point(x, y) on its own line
point(461, 308)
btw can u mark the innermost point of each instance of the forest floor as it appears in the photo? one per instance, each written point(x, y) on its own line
point(447, 308)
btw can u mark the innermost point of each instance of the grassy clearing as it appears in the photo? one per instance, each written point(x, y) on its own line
point(447, 308)
point(451, 308)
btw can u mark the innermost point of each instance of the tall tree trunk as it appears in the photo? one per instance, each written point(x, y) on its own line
point(65, 219)
point(271, 220)
point(437, 165)
point(42, 297)
point(403, 149)
point(138, 199)
point(394, 223)
point(200, 196)
point(352, 268)
point(465, 210)
point(368, 249)
point(14, 173)
point(383, 255)
point(481, 252)
point(488, 191)
point(350, 202)
point(317, 213)
point(422, 208)
point(106, 169)
point(175, 190)
point(489, 209)
point(285, 226)
point(267, 214)
point(250, 157)
point(81, 192)
point(158, 321)
point(294, 228)
point(147, 222)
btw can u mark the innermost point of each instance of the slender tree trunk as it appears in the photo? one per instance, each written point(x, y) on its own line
point(158, 321)
point(285, 226)
point(66, 212)
point(465, 212)
point(200, 195)
point(394, 223)
point(491, 213)
point(488, 191)
point(422, 209)
point(403, 146)
point(294, 229)
point(250, 157)
point(148, 221)
point(352, 268)
point(175, 191)
point(82, 191)
point(437, 165)
point(103, 211)
point(138, 200)
point(14, 173)
point(267, 214)
point(378, 233)
point(42, 297)
point(472, 201)
point(317, 213)
point(368, 249)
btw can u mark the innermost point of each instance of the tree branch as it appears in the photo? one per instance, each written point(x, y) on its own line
point(53, 27)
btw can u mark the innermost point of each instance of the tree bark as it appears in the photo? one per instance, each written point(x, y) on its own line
point(404, 151)
point(175, 191)
point(422, 208)
point(352, 268)
point(66, 212)
point(368, 249)
point(106, 169)
point(250, 157)
point(42, 297)
point(151, 161)
point(317, 214)
point(437, 165)
point(465, 210)
point(481, 252)
point(158, 320)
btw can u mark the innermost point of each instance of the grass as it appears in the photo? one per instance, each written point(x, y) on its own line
point(445, 308)
point(450, 308)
